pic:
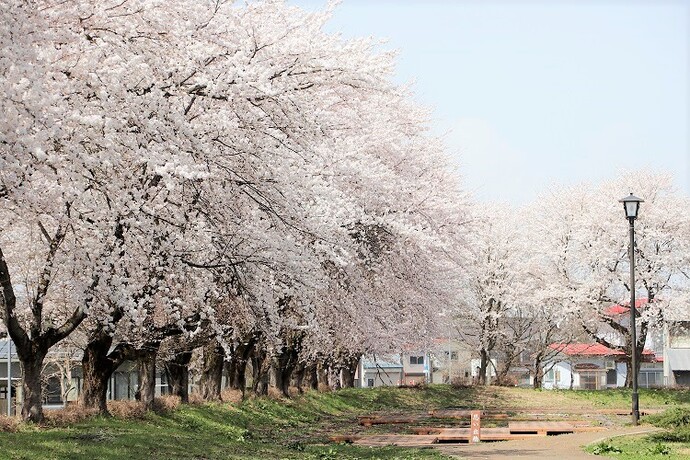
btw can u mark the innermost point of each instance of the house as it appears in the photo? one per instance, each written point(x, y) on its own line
point(593, 366)
point(378, 372)
point(451, 362)
point(671, 343)
point(9, 367)
point(416, 368)
point(677, 353)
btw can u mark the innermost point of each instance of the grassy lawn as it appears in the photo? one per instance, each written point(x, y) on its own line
point(295, 429)
point(671, 444)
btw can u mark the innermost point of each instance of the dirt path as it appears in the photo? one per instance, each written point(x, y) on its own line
point(562, 447)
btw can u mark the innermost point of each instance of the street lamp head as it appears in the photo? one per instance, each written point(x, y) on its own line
point(631, 205)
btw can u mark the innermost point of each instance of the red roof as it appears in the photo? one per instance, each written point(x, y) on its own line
point(625, 307)
point(590, 349)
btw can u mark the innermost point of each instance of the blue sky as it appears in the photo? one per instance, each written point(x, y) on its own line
point(535, 93)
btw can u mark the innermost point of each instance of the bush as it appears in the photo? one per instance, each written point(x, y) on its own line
point(677, 435)
point(127, 409)
point(166, 403)
point(70, 414)
point(677, 417)
point(231, 395)
point(9, 424)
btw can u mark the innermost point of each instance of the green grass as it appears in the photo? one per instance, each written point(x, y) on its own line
point(299, 428)
point(672, 443)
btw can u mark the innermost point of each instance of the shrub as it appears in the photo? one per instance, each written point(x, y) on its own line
point(232, 395)
point(70, 414)
point(9, 424)
point(677, 435)
point(127, 409)
point(678, 417)
point(166, 403)
point(195, 399)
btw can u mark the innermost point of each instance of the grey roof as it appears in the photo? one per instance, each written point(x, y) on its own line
point(378, 363)
point(679, 359)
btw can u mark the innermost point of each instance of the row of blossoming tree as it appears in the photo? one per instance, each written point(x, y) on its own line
point(551, 271)
point(186, 175)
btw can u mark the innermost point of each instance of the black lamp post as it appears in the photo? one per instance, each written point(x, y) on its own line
point(631, 204)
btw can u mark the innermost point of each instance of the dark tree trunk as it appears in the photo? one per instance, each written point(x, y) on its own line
point(242, 355)
point(96, 370)
point(212, 372)
point(261, 366)
point(146, 365)
point(483, 366)
point(229, 371)
point(321, 374)
point(238, 378)
point(313, 374)
point(347, 373)
point(32, 406)
point(298, 375)
point(177, 371)
point(283, 366)
point(538, 372)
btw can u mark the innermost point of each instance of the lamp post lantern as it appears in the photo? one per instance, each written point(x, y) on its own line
point(631, 205)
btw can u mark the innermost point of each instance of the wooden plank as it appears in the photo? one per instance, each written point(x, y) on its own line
point(541, 428)
point(465, 413)
point(344, 438)
point(390, 420)
point(403, 440)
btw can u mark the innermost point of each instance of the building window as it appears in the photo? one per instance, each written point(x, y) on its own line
point(611, 377)
point(370, 382)
point(416, 359)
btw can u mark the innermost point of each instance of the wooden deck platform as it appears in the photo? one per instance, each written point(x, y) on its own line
point(465, 413)
point(551, 428)
point(403, 440)
point(369, 420)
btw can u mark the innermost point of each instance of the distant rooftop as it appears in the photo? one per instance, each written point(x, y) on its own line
point(388, 363)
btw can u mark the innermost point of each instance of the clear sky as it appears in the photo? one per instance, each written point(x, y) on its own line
point(540, 92)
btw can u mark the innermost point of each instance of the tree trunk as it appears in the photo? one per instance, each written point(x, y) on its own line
point(283, 366)
point(313, 377)
point(261, 365)
point(212, 372)
point(229, 371)
point(334, 378)
point(298, 375)
point(96, 370)
point(238, 379)
point(32, 406)
point(241, 357)
point(483, 366)
point(628, 372)
point(321, 374)
point(348, 371)
point(177, 371)
point(146, 365)
point(538, 372)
